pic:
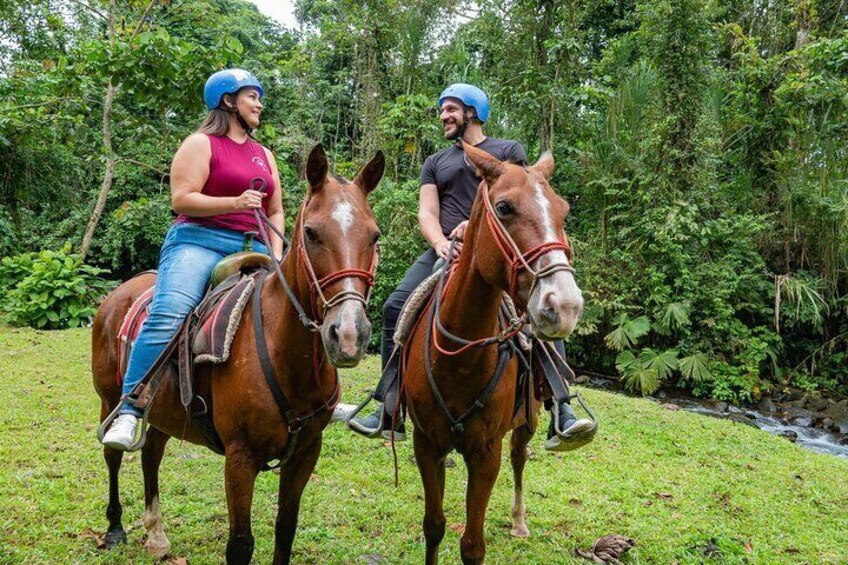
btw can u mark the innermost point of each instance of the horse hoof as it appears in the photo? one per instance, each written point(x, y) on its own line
point(520, 532)
point(157, 547)
point(111, 539)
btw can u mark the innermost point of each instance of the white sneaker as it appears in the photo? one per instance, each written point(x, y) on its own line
point(121, 433)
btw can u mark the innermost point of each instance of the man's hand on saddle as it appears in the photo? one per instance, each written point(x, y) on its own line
point(444, 247)
point(249, 200)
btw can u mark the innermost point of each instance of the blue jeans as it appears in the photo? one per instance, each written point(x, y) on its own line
point(186, 260)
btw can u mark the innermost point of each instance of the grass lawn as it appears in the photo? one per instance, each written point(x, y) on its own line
point(688, 488)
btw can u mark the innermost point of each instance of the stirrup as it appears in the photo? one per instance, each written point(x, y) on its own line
point(372, 435)
point(104, 425)
point(588, 434)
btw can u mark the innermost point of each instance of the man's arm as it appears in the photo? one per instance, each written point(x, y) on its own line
point(428, 219)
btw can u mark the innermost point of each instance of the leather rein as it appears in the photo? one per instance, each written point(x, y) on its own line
point(318, 300)
point(518, 262)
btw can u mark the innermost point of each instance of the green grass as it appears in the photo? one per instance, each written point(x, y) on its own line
point(689, 489)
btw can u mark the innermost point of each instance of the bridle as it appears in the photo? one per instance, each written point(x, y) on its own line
point(316, 286)
point(519, 262)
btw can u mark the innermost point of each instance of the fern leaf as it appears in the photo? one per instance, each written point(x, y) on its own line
point(695, 367)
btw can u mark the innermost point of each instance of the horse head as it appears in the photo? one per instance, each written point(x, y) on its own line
point(525, 250)
point(338, 243)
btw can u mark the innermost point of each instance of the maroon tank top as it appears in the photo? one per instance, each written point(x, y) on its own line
point(231, 168)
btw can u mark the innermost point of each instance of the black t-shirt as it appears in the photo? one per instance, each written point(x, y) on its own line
point(457, 181)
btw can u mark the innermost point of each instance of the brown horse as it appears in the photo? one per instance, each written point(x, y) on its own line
point(335, 237)
point(514, 243)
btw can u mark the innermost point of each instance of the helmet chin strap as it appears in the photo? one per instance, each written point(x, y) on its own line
point(242, 122)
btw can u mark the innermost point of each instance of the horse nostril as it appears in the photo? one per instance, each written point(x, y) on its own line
point(334, 331)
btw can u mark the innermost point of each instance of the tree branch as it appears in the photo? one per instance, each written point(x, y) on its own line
point(91, 9)
point(34, 105)
point(145, 165)
point(143, 17)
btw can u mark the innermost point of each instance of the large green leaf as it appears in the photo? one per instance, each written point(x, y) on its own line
point(695, 367)
point(628, 333)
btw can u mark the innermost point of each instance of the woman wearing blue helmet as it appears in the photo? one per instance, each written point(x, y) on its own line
point(210, 176)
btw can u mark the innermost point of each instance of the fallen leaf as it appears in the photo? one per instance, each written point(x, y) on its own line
point(748, 547)
point(575, 501)
point(99, 539)
point(672, 407)
point(458, 528)
point(663, 495)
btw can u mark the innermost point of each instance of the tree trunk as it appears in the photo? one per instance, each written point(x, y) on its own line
point(108, 174)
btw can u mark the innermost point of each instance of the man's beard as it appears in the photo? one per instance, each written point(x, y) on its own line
point(457, 133)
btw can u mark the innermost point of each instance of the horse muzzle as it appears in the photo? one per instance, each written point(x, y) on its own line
point(346, 332)
point(555, 306)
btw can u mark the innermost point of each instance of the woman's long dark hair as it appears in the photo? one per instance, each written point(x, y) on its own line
point(216, 123)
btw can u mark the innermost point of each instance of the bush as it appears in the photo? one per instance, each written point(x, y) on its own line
point(51, 289)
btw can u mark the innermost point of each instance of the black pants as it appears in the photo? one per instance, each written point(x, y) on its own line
point(415, 275)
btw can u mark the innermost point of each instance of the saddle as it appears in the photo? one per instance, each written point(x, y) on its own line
point(204, 337)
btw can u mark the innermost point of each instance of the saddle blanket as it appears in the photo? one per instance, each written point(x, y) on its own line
point(219, 317)
point(421, 296)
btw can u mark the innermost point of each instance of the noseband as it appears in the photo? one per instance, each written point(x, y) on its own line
point(519, 262)
point(317, 286)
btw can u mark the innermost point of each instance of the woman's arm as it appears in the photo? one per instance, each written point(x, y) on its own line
point(189, 172)
point(275, 208)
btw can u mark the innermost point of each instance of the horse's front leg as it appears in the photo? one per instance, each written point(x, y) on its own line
point(431, 466)
point(293, 478)
point(518, 457)
point(240, 473)
point(157, 544)
point(483, 467)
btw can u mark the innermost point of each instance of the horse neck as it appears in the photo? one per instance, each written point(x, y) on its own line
point(470, 304)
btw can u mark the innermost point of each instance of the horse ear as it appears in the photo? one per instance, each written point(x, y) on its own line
point(545, 165)
point(370, 175)
point(317, 168)
point(487, 166)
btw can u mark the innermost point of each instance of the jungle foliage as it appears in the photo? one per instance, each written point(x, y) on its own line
point(702, 146)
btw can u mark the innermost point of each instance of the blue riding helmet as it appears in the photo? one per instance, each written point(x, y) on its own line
point(470, 96)
point(228, 81)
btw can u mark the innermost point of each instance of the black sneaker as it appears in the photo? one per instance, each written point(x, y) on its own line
point(378, 424)
point(573, 432)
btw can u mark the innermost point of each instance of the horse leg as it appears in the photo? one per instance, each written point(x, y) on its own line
point(115, 534)
point(518, 457)
point(293, 478)
point(431, 466)
point(483, 467)
point(157, 543)
point(240, 472)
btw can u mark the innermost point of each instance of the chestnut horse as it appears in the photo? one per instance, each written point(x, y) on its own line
point(335, 237)
point(514, 243)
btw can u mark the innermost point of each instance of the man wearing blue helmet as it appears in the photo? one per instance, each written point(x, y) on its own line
point(448, 189)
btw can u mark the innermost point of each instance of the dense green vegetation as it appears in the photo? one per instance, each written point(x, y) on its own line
point(689, 489)
point(702, 146)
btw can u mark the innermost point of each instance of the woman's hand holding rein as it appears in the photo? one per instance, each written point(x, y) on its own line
point(249, 200)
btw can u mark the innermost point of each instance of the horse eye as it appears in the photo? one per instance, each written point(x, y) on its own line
point(503, 208)
point(311, 235)
point(375, 239)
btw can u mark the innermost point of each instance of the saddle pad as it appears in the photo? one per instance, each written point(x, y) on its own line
point(215, 333)
point(130, 327)
point(413, 305)
point(418, 300)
